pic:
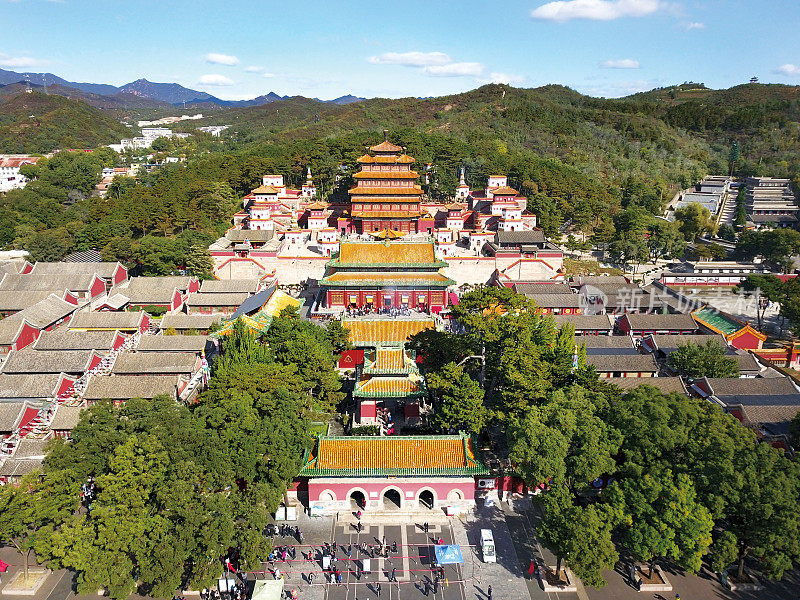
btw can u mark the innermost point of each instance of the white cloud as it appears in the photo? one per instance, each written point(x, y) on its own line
point(456, 69)
point(20, 62)
point(695, 25)
point(221, 59)
point(411, 59)
point(501, 78)
point(790, 70)
point(625, 63)
point(269, 74)
point(253, 69)
point(595, 10)
point(215, 79)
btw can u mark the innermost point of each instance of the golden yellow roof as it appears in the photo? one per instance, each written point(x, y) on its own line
point(318, 206)
point(504, 191)
point(389, 385)
point(423, 278)
point(390, 359)
point(393, 455)
point(379, 330)
point(277, 302)
point(266, 189)
point(403, 159)
point(367, 253)
point(386, 147)
point(392, 452)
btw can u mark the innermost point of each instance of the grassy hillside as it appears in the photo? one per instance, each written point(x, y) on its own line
point(37, 122)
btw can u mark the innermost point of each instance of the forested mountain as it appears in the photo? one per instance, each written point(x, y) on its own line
point(37, 122)
point(606, 167)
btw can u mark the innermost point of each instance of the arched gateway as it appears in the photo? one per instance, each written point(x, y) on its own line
point(405, 473)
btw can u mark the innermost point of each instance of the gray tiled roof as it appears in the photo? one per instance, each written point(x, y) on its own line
point(254, 235)
point(134, 363)
point(106, 320)
point(669, 343)
point(217, 299)
point(42, 314)
point(10, 413)
point(172, 343)
point(29, 386)
point(556, 300)
point(17, 467)
point(62, 280)
point(598, 280)
point(222, 286)
point(761, 386)
point(605, 341)
point(47, 361)
point(66, 417)
point(627, 363)
point(19, 300)
point(664, 384)
point(103, 269)
point(64, 339)
point(542, 288)
point(526, 236)
point(586, 322)
point(181, 321)
point(657, 322)
point(140, 290)
point(120, 387)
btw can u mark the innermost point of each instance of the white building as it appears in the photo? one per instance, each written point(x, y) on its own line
point(10, 177)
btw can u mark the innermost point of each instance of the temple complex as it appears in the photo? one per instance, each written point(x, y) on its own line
point(385, 274)
point(386, 195)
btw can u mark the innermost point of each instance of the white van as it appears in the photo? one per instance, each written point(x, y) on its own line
point(487, 546)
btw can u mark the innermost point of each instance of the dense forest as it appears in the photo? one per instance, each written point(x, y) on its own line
point(607, 167)
point(37, 122)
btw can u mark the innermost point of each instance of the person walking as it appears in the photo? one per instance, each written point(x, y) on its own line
point(349, 550)
point(378, 589)
point(425, 527)
point(311, 579)
point(394, 574)
point(489, 593)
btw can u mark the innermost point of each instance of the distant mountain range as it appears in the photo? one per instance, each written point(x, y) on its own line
point(158, 93)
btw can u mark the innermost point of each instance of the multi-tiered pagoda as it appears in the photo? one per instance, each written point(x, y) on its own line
point(386, 195)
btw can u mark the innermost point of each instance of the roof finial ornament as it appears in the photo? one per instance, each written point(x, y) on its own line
point(385, 135)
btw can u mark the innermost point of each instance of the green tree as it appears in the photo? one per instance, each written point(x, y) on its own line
point(733, 156)
point(724, 551)
point(564, 440)
point(697, 360)
point(762, 510)
point(460, 401)
point(199, 261)
point(29, 512)
point(582, 536)
point(693, 220)
point(740, 214)
point(664, 240)
point(766, 288)
point(663, 518)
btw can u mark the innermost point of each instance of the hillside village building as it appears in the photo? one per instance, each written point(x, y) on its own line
point(10, 177)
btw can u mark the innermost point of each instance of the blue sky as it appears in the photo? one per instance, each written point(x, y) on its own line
point(241, 49)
